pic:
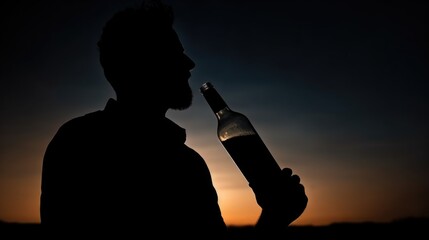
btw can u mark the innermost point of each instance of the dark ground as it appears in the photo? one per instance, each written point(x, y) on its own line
point(409, 229)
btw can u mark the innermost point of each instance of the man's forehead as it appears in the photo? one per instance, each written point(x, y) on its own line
point(170, 40)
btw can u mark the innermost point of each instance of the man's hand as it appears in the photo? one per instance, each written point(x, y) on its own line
point(282, 203)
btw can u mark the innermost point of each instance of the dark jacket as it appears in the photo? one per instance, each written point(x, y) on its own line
point(106, 173)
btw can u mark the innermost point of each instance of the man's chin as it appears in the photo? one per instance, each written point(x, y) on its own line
point(181, 99)
point(181, 105)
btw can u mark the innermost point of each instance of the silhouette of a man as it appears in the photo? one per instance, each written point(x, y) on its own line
point(126, 168)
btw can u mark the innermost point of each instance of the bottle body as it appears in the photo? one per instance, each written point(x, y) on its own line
point(242, 142)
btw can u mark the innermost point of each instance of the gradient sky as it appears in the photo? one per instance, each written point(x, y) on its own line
point(337, 90)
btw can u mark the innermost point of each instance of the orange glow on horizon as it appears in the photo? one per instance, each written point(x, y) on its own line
point(20, 200)
point(330, 199)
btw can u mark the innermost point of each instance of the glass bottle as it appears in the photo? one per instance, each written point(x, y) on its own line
point(241, 141)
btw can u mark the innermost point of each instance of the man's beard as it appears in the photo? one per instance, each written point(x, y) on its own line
point(180, 99)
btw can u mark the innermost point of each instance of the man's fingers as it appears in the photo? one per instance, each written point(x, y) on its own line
point(287, 172)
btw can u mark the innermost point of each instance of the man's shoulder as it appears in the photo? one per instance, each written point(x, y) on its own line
point(87, 120)
point(90, 119)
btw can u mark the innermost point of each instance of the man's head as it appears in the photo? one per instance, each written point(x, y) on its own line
point(142, 56)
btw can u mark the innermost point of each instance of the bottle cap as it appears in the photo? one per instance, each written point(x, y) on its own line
point(206, 86)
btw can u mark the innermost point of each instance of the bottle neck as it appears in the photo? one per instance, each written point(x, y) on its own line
point(213, 98)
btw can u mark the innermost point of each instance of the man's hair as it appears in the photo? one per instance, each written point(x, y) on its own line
point(133, 32)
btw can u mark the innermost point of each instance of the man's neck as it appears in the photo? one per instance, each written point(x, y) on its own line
point(141, 109)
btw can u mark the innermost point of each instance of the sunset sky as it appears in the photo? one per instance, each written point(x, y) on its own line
point(337, 90)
